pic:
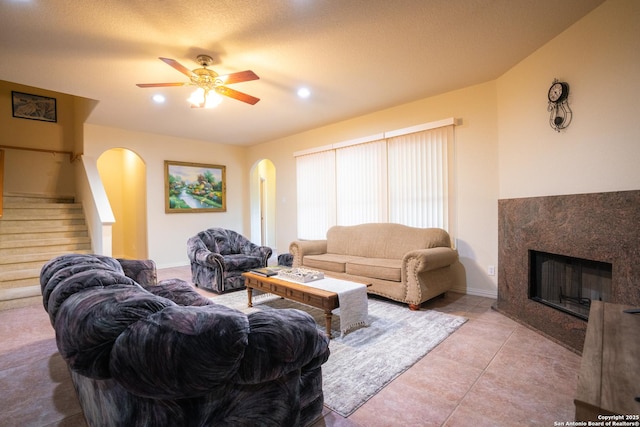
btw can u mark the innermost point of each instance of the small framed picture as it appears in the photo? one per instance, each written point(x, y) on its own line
point(194, 187)
point(33, 107)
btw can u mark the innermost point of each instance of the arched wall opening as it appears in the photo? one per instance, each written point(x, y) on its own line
point(263, 204)
point(123, 174)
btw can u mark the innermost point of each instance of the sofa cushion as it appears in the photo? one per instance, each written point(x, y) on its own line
point(89, 322)
point(180, 292)
point(383, 240)
point(376, 268)
point(182, 351)
point(241, 263)
point(327, 262)
point(60, 269)
point(79, 281)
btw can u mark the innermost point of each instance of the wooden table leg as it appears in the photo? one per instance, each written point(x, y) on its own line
point(327, 315)
point(250, 296)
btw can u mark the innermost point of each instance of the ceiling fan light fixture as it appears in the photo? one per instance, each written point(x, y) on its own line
point(197, 97)
point(202, 98)
point(212, 100)
point(210, 85)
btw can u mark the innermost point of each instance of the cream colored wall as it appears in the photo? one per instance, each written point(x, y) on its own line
point(168, 232)
point(476, 163)
point(35, 172)
point(599, 57)
point(122, 174)
point(262, 171)
point(505, 147)
point(135, 197)
point(110, 169)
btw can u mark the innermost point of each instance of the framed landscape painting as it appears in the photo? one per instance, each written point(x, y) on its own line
point(194, 187)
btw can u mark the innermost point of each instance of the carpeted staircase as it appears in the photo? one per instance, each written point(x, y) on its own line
point(34, 229)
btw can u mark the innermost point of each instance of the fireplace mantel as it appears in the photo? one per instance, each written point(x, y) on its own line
point(598, 226)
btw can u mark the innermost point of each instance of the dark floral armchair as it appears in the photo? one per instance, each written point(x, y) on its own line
point(219, 257)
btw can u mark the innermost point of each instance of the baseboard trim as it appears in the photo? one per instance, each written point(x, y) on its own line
point(477, 292)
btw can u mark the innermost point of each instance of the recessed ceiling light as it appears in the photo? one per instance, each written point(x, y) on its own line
point(304, 92)
point(158, 98)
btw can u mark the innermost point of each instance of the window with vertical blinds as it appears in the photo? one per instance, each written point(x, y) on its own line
point(361, 183)
point(316, 191)
point(419, 178)
point(403, 176)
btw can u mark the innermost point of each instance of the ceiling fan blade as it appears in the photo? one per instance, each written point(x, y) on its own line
point(231, 93)
point(241, 76)
point(160, 84)
point(178, 66)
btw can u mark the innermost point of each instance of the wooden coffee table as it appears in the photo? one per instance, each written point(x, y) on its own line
point(319, 298)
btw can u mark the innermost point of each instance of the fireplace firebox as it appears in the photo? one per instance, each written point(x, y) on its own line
point(568, 284)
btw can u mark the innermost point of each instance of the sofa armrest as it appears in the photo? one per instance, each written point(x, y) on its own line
point(264, 252)
point(300, 248)
point(430, 259)
point(142, 271)
point(198, 253)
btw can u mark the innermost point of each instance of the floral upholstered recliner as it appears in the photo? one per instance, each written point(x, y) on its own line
point(219, 257)
point(160, 354)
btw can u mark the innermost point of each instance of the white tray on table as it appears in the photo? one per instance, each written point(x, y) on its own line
point(302, 275)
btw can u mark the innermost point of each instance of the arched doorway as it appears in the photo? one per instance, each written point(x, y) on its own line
point(123, 174)
point(263, 204)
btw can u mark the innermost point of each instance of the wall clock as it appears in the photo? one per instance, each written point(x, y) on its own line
point(560, 113)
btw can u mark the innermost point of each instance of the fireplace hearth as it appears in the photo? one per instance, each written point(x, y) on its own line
point(597, 226)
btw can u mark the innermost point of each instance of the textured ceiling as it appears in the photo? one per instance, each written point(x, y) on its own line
point(356, 56)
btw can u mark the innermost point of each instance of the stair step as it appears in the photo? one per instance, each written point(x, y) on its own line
point(8, 304)
point(41, 205)
point(39, 256)
point(34, 230)
point(71, 247)
point(10, 198)
point(24, 265)
point(20, 274)
point(18, 226)
point(8, 243)
point(40, 214)
point(80, 231)
point(20, 297)
point(22, 292)
point(20, 283)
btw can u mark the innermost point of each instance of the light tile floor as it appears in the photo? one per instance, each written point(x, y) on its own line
point(490, 372)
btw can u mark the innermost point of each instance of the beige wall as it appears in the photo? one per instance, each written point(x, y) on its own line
point(599, 57)
point(168, 233)
point(505, 146)
point(476, 164)
point(123, 175)
point(37, 172)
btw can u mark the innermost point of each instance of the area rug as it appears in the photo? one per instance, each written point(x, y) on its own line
point(364, 361)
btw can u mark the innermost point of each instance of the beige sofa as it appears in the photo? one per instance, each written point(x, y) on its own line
point(405, 264)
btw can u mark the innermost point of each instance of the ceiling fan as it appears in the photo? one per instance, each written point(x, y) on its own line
point(210, 85)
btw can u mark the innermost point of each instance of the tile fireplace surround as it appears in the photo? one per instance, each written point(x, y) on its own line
point(600, 226)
